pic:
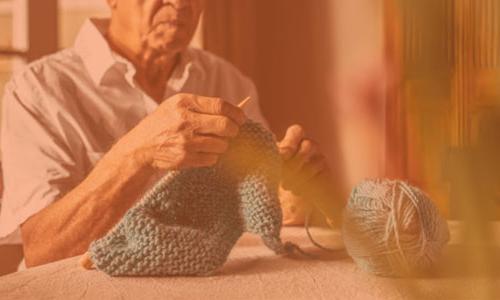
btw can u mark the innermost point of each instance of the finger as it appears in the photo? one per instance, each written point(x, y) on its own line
point(307, 150)
point(216, 125)
point(217, 106)
point(180, 159)
point(302, 180)
point(289, 146)
point(199, 160)
point(207, 144)
point(310, 170)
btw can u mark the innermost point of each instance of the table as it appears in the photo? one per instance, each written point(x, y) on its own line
point(254, 272)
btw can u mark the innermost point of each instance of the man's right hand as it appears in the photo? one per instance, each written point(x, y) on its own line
point(186, 131)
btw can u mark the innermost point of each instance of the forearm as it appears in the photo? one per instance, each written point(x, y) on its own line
point(68, 226)
point(186, 131)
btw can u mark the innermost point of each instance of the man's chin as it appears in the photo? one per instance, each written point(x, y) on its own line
point(167, 44)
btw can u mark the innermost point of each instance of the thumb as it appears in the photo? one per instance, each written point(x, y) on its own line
point(290, 144)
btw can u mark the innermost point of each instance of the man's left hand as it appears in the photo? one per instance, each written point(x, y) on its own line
point(308, 178)
point(303, 161)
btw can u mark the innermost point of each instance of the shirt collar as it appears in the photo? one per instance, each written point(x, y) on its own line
point(93, 48)
point(99, 58)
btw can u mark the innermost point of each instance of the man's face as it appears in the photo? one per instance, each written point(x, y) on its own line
point(163, 25)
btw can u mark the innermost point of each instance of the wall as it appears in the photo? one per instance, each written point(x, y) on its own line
point(317, 63)
point(358, 86)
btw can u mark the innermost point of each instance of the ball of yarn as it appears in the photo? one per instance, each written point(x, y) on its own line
point(393, 229)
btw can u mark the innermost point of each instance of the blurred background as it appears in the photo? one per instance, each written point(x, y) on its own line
point(389, 88)
point(406, 89)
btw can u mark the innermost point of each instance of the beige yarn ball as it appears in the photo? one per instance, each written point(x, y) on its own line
point(393, 229)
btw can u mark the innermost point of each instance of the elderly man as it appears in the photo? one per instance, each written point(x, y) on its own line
point(92, 126)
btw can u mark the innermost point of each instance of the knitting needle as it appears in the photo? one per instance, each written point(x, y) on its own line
point(85, 261)
point(244, 102)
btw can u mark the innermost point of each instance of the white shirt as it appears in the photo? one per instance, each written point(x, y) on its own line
point(63, 112)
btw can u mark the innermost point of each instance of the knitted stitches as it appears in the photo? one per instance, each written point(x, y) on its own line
point(190, 220)
point(391, 228)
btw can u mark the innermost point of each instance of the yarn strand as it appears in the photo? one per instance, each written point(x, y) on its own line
point(309, 235)
point(391, 228)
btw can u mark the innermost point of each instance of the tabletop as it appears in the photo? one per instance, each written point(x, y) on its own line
point(254, 272)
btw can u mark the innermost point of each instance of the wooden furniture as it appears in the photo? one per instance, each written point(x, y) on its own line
point(35, 29)
point(443, 109)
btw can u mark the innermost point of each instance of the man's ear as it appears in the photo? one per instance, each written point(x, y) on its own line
point(112, 3)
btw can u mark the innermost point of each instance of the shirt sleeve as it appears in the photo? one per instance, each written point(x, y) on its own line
point(37, 165)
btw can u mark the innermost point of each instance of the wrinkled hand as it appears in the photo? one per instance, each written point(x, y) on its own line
point(185, 131)
point(307, 176)
point(303, 160)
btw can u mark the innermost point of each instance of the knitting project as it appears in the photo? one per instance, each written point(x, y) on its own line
point(190, 220)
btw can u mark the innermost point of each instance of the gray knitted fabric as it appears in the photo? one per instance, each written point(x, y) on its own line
point(190, 220)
